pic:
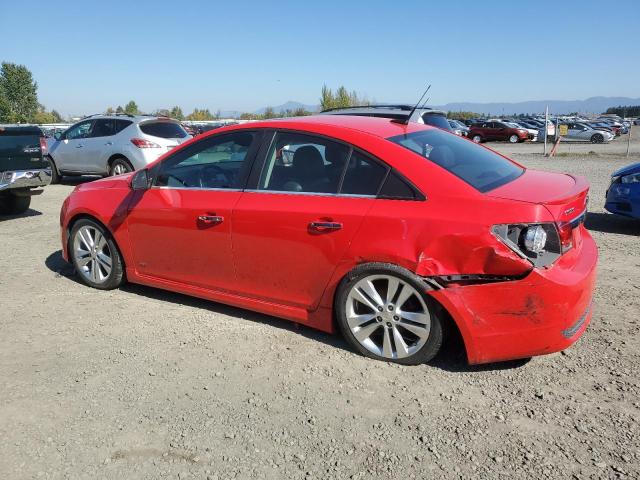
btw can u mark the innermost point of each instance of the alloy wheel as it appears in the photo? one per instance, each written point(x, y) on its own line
point(513, 139)
point(388, 316)
point(119, 169)
point(92, 254)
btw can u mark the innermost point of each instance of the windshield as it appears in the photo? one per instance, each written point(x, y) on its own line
point(478, 166)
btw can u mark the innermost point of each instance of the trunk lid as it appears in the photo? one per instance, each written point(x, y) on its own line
point(564, 195)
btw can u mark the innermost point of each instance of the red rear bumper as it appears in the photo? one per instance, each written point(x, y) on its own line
point(543, 313)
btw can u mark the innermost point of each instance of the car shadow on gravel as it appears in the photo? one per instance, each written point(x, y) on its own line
point(77, 180)
point(29, 213)
point(452, 357)
point(610, 223)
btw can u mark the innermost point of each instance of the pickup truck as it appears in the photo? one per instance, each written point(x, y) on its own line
point(23, 167)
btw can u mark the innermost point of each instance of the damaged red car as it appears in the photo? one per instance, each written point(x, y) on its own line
point(394, 234)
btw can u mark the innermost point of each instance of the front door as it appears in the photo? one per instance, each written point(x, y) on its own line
point(67, 150)
point(291, 231)
point(180, 228)
point(97, 148)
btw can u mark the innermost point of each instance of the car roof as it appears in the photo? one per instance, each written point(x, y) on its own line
point(397, 110)
point(125, 116)
point(378, 126)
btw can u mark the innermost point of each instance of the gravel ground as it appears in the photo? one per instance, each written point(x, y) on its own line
point(142, 383)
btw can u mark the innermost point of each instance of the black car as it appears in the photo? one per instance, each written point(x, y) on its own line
point(23, 167)
point(428, 116)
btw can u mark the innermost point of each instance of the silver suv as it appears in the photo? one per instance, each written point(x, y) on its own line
point(405, 113)
point(112, 144)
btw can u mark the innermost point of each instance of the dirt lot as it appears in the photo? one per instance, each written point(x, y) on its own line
point(141, 383)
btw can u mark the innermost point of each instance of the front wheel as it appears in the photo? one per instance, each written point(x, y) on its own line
point(95, 255)
point(55, 174)
point(383, 313)
point(597, 138)
point(476, 139)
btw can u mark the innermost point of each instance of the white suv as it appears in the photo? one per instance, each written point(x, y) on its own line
point(112, 144)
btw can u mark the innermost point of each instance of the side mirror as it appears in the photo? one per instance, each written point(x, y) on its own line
point(57, 135)
point(140, 180)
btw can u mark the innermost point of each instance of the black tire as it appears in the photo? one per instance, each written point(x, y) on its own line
point(116, 277)
point(13, 204)
point(597, 138)
point(55, 174)
point(432, 346)
point(120, 163)
point(477, 139)
point(514, 139)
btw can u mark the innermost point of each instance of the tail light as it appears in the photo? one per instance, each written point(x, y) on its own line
point(565, 231)
point(537, 242)
point(142, 143)
point(43, 145)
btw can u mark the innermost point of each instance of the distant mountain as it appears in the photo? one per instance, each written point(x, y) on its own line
point(590, 105)
point(290, 105)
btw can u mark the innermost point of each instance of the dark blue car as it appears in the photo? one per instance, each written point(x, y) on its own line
point(623, 195)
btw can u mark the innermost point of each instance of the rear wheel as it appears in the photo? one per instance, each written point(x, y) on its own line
point(597, 138)
point(13, 204)
point(514, 139)
point(120, 166)
point(95, 255)
point(383, 313)
point(477, 139)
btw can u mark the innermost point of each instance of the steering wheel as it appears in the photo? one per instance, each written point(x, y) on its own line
point(211, 170)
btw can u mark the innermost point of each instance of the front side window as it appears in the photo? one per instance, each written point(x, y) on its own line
point(81, 130)
point(215, 162)
point(478, 166)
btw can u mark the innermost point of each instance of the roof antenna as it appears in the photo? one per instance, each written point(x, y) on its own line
point(406, 122)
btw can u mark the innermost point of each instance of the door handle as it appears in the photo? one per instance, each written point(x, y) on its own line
point(210, 219)
point(79, 146)
point(109, 143)
point(325, 226)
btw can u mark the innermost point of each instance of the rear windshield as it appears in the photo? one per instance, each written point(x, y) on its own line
point(163, 129)
point(478, 166)
point(436, 120)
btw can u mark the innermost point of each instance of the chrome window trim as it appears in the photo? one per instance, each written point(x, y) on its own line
point(315, 194)
point(164, 187)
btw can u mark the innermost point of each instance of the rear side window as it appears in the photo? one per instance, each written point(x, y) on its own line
point(363, 176)
point(102, 127)
point(163, 129)
point(478, 166)
point(121, 125)
point(396, 188)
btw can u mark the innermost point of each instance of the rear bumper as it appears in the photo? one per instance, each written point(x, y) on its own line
point(543, 313)
point(25, 179)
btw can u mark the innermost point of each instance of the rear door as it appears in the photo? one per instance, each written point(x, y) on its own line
point(308, 201)
point(180, 229)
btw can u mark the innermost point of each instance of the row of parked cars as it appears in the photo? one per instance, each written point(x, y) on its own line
point(514, 130)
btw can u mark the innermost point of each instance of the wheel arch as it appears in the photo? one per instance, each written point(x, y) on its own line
point(451, 327)
point(88, 216)
point(115, 157)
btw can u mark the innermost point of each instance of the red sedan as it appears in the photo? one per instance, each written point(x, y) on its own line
point(393, 233)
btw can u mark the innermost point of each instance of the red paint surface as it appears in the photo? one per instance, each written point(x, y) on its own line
point(264, 257)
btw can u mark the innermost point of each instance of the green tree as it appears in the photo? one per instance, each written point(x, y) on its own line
point(199, 115)
point(131, 108)
point(18, 94)
point(57, 118)
point(327, 100)
point(109, 111)
point(119, 109)
point(176, 112)
point(269, 112)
